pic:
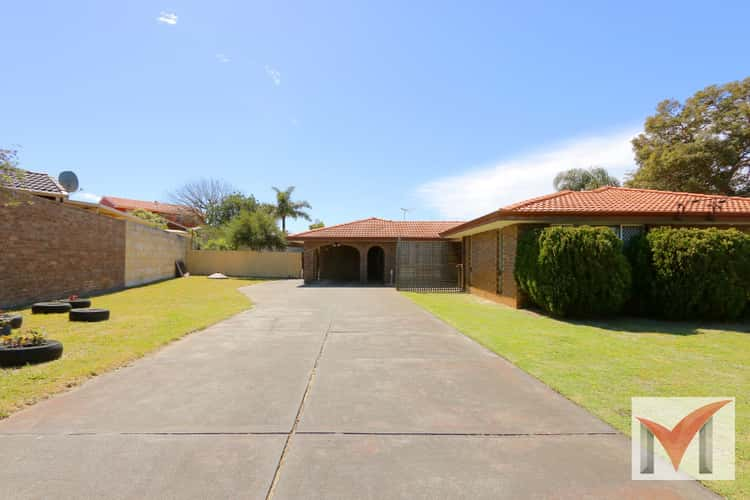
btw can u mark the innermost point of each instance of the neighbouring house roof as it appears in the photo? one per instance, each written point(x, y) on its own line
point(378, 229)
point(126, 204)
point(108, 211)
point(33, 182)
point(617, 201)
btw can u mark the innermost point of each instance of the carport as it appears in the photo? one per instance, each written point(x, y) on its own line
point(373, 251)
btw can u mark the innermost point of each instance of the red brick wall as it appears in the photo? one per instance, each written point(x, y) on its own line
point(50, 250)
point(484, 264)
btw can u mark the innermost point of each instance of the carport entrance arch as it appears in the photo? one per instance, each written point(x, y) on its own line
point(339, 263)
point(376, 264)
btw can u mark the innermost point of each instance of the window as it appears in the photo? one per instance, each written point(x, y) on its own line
point(628, 231)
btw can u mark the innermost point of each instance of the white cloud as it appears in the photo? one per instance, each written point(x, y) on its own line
point(167, 18)
point(274, 75)
point(485, 189)
point(84, 196)
point(222, 58)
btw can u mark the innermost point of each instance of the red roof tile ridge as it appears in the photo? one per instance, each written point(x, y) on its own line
point(318, 229)
point(681, 193)
point(530, 201)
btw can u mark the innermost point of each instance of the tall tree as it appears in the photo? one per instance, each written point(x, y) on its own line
point(286, 207)
point(579, 179)
point(256, 231)
point(202, 195)
point(700, 146)
point(317, 224)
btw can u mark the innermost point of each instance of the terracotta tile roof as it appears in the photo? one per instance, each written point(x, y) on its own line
point(378, 229)
point(618, 201)
point(125, 204)
point(36, 182)
point(630, 201)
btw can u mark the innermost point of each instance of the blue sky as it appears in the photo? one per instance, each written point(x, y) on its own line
point(450, 109)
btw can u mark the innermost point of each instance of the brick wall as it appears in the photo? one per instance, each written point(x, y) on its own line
point(50, 250)
point(150, 253)
point(483, 267)
point(484, 261)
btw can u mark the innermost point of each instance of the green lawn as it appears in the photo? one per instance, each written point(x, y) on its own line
point(601, 365)
point(142, 320)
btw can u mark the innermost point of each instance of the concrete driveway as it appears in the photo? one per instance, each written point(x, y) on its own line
point(319, 392)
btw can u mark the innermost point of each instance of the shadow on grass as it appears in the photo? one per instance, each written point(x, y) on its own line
point(637, 324)
point(632, 324)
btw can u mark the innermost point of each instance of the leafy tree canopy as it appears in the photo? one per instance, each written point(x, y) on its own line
point(256, 231)
point(230, 207)
point(317, 224)
point(580, 179)
point(701, 146)
point(8, 165)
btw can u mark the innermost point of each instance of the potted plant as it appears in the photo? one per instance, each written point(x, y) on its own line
point(29, 347)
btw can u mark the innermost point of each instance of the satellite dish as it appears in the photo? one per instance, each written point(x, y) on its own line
point(69, 181)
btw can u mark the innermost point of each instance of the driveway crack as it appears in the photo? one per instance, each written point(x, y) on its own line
point(298, 417)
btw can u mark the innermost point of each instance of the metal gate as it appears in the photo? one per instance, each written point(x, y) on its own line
point(433, 266)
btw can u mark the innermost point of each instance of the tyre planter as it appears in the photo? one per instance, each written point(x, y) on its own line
point(88, 314)
point(78, 303)
point(20, 356)
point(50, 307)
point(15, 320)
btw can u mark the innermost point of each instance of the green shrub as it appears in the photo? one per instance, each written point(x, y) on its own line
point(155, 220)
point(698, 273)
point(573, 271)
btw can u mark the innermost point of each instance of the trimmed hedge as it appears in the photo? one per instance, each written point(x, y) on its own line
point(573, 271)
point(689, 273)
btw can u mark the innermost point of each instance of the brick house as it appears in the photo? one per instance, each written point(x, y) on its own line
point(177, 216)
point(366, 250)
point(479, 255)
point(489, 241)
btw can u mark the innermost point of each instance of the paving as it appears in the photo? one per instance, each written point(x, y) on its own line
point(319, 392)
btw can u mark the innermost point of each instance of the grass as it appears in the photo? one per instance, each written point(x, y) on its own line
point(601, 365)
point(142, 320)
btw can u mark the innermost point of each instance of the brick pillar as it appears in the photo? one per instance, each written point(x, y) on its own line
point(362, 263)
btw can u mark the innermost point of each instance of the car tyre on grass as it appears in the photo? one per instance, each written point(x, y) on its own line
point(88, 314)
point(50, 307)
point(20, 356)
point(14, 320)
point(78, 303)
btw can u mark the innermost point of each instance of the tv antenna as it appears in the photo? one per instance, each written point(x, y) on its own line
point(405, 211)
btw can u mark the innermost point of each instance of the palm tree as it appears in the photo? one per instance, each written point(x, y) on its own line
point(579, 179)
point(285, 207)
